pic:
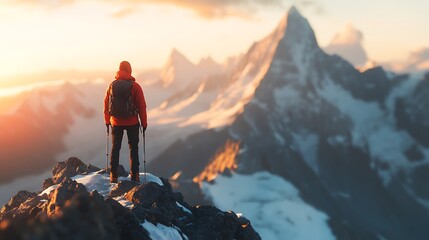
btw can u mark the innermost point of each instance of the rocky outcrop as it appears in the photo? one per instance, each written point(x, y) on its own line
point(71, 167)
point(59, 197)
point(22, 206)
point(67, 169)
point(84, 216)
point(70, 211)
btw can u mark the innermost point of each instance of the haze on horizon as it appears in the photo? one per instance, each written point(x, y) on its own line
point(39, 36)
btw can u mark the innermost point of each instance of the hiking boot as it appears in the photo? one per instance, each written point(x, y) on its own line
point(135, 177)
point(113, 178)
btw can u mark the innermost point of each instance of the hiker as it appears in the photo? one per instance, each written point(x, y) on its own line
point(124, 103)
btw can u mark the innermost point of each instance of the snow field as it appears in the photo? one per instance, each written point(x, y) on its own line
point(272, 204)
point(373, 128)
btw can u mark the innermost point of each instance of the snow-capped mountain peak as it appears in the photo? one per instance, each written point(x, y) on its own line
point(298, 29)
point(176, 71)
point(178, 57)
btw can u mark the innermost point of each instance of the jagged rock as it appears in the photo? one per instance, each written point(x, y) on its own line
point(70, 168)
point(67, 189)
point(146, 194)
point(22, 207)
point(16, 200)
point(212, 223)
point(245, 229)
point(127, 223)
point(85, 216)
point(47, 183)
point(122, 187)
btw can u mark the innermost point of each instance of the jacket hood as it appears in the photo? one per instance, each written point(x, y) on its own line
point(125, 66)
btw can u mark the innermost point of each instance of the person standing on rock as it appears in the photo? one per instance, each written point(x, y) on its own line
point(124, 103)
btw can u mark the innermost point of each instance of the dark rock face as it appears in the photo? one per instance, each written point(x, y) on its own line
point(204, 144)
point(211, 223)
point(192, 191)
point(85, 216)
point(22, 206)
point(412, 112)
point(71, 212)
point(16, 200)
point(126, 222)
point(122, 187)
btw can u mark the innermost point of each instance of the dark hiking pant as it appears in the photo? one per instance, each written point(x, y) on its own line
point(133, 144)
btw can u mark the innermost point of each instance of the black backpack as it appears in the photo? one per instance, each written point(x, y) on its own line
point(121, 104)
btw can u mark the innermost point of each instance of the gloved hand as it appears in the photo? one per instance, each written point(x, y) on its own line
point(144, 128)
point(108, 126)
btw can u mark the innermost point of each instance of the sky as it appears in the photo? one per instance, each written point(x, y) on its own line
point(43, 35)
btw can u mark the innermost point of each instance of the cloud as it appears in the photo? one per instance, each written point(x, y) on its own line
point(419, 56)
point(348, 36)
point(221, 8)
point(43, 3)
point(203, 8)
point(123, 12)
point(348, 44)
point(419, 60)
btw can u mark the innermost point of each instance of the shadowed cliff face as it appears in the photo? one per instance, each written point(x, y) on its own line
point(90, 207)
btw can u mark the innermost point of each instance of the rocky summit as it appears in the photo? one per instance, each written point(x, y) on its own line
point(78, 202)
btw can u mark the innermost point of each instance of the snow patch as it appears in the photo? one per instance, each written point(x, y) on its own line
point(307, 143)
point(160, 231)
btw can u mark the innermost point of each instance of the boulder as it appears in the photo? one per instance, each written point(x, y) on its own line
point(211, 223)
point(122, 187)
point(65, 191)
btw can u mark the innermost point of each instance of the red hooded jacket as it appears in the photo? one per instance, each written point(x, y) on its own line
point(137, 95)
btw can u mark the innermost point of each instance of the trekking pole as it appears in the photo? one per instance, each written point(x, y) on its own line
point(144, 153)
point(107, 149)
